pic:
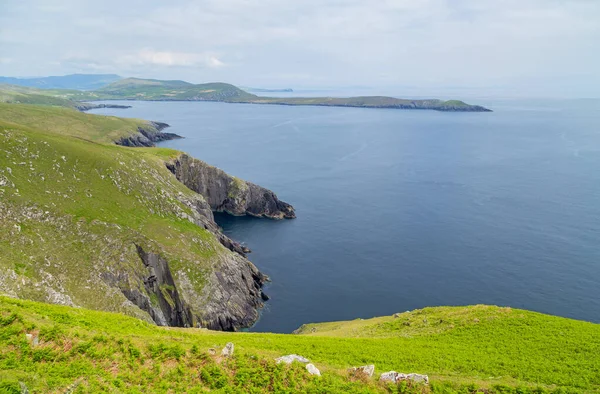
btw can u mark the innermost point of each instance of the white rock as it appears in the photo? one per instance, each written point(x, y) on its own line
point(227, 350)
point(388, 376)
point(368, 370)
point(396, 377)
point(290, 358)
point(313, 370)
point(415, 377)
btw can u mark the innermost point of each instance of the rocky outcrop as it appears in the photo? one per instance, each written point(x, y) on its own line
point(232, 295)
point(227, 350)
point(159, 296)
point(203, 217)
point(148, 135)
point(230, 299)
point(396, 377)
point(88, 106)
point(225, 193)
point(313, 370)
point(367, 370)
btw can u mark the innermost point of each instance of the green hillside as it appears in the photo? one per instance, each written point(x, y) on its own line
point(152, 89)
point(81, 219)
point(67, 122)
point(24, 95)
point(479, 349)
point(72, 81)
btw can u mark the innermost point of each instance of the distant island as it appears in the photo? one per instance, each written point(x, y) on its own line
point(177, 90)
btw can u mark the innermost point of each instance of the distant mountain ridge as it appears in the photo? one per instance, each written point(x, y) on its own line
point(71, 81)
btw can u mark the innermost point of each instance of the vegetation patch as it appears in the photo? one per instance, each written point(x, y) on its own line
point(483, 349)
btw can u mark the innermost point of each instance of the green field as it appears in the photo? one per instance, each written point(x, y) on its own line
point(68, 122)
point(482, 349)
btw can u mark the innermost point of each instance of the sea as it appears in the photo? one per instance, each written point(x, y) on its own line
point(405, 209)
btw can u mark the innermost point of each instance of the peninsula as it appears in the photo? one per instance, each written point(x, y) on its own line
point(177, 90)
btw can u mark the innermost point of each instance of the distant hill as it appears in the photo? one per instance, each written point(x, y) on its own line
point(152, 89)
point(13, 94)
point(72, 81)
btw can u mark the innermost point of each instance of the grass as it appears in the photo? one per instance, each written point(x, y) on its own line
point(22, 95)
point(69, 122)
point(481, 349)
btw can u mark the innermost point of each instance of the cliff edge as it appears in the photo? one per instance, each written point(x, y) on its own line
point(225, 193)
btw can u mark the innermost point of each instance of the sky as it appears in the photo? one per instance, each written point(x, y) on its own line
point(505, 48)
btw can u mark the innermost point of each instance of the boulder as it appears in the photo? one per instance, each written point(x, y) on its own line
point(313, 370)
point(368, 370)
point(396, 377)
point(227, 350)
point(388, 376)
point(290, 358)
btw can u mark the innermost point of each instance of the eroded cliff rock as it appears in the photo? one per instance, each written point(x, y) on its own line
point(225, 193)
point(148, 135)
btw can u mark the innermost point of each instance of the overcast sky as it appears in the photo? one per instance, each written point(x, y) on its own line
point(476, 47)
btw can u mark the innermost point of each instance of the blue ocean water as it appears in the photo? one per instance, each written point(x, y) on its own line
point(405, 209)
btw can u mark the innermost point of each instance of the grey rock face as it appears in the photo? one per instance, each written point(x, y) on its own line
point(365, 369)
point(227, 350)
point(313, 370)
point(204, 218)
point(169, 309)
point(225, 193)
point(230, 299)
point(232, 295)
point(290, 358)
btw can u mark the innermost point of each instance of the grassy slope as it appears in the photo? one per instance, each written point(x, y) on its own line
point(71, 209)
point(150, 89)
point(23, 95)
point(68, 122)
point(496, 349)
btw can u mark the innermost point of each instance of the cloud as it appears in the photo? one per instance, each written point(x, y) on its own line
point(168, 59)
point(430, 44)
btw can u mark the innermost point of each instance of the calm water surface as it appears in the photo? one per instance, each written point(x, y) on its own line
point(405, 209)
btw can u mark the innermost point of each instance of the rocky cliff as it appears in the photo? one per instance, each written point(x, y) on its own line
point(225, 193)
point(115, 230)
point(147, 135)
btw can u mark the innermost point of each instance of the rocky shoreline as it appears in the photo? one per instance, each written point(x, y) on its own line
point(148, 135)
point(88, 106)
